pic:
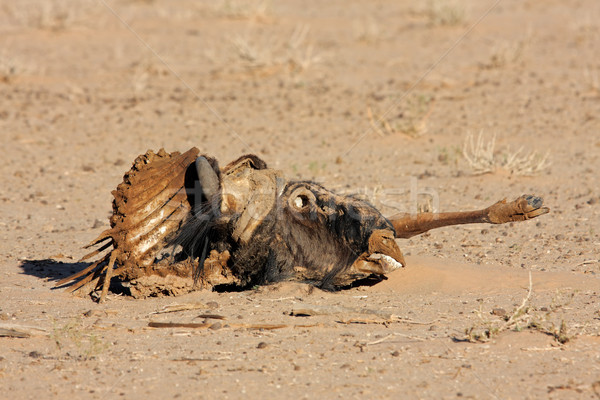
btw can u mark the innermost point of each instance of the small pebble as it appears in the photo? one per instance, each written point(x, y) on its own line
point(35, 354)
point(93, 313)
point(215, 326)
point(501, 312)
point(261, 345)
point(212, 305)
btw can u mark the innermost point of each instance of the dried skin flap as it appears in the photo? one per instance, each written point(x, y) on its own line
point(250, 193)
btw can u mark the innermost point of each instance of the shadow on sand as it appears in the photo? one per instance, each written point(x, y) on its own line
point(54, 271)
point(51, 269)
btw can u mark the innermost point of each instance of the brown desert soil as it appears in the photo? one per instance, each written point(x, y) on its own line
point(85, 87)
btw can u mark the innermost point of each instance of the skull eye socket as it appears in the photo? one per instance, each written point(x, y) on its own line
point(301, 199)
point(301, 202)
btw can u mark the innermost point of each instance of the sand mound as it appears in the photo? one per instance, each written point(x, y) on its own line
point(426, 275)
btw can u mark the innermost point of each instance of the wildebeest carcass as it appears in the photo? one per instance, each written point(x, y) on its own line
point(181, 222)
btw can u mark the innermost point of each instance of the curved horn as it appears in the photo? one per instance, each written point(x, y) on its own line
point(207, 177)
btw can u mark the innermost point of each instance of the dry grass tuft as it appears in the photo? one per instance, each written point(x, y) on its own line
point(236, 9)
point(254, 53)
point(269, 51)
point(445, 13)
point(506, 53)
point(524, 316)
point(299, 52)
point(367, 30)
point(483, 159)
point(11, 67)
point(411, 121)
point(51, 15)
point(74, 340)
point(592, 79)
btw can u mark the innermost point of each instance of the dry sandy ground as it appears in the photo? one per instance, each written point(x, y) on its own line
point(87, 86)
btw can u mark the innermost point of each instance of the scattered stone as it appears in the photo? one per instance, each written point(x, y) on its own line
point(216, 326)
point(94, 313)
point(35, 354)
point(212, 305)
point(500, 312)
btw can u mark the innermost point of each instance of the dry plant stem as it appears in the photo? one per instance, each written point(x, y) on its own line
point(540, 348)
point(404, 335)
point(586, 262)
point(13, 333)
point(364, 321)
point(518, 311)
point(267, 327)
point(21, 331)
point(179, 307)
point(372, 122)
point(177, 325)
point(411, 322)
point(311, 310)
point(210, 316)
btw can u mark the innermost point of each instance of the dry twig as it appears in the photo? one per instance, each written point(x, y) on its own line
point(404, 335)
point(180, 307)
point(21, 331)
point(309, 310)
